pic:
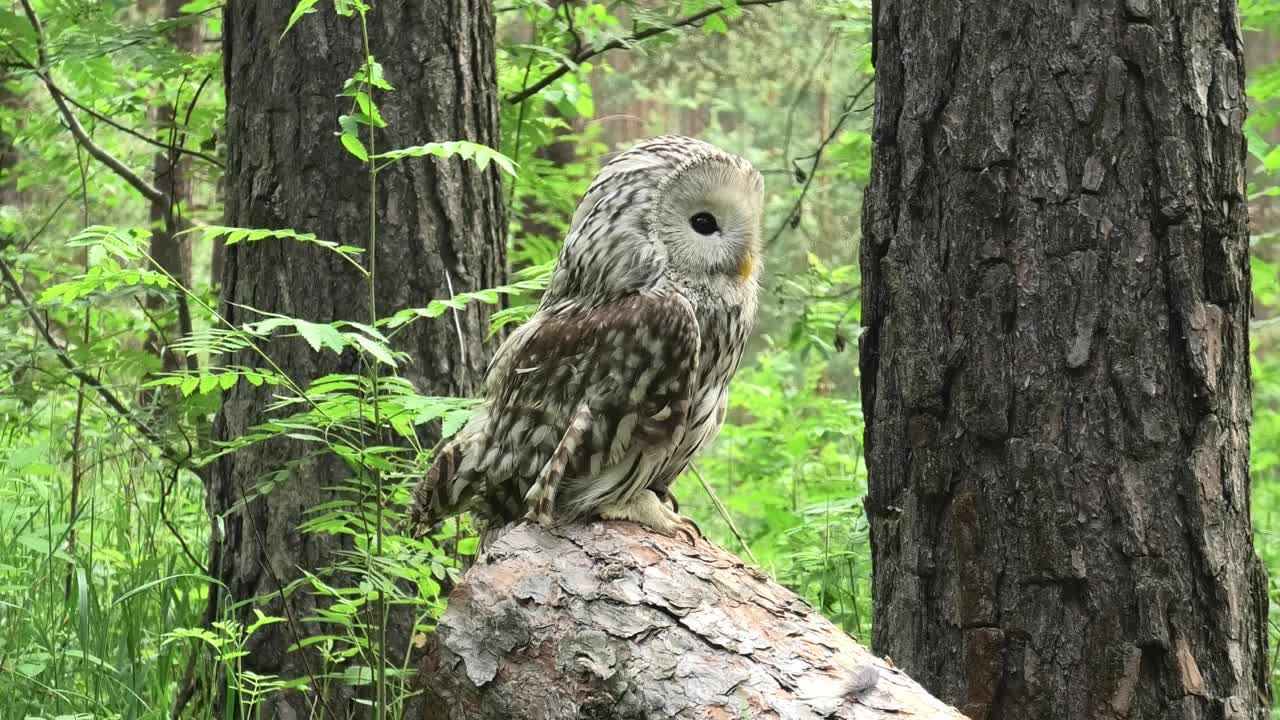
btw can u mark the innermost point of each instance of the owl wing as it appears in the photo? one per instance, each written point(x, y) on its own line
point(586, 394)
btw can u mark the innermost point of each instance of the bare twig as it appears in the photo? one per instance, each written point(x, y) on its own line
point(573, 31)
point(107, 396)
point(724, 512)
point(165, 491)
point(143, 187)
point(57, 210)
point(130, 131)
point(77, 435)
point(107, 119)
point(801, 91)
point(793, 216)
point(587, 53)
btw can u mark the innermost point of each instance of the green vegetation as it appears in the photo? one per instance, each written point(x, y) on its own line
point(103, 527)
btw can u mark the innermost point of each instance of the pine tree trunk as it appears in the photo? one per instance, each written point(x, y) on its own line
point(440, 225)
point(1055, 362)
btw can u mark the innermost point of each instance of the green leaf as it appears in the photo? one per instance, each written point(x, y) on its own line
point(374, 348)
point(356, 675)
point(320, 336)
point(198, 6)
point(82, 607)
point(208, 383)
point(453, 422)
point(304, 7)
point(16, 27)
point(482, 155)
point(355, 147)
point(368, 110)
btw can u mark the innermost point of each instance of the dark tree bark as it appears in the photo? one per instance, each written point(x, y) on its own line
point(1055, 363)
point(440, 223)
point(608, 620)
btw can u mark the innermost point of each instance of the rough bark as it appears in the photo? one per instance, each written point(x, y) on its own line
point(608, 620)
point(1055, 362)
point(440, 223)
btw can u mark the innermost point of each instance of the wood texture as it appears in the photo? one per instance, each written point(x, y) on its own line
point(608, 620)
point(440, 223)
point(1055, 363)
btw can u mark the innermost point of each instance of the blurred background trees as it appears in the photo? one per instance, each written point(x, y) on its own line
point(105, 450)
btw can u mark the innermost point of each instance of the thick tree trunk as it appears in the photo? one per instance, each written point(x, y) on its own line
point(1055, 363)
point(607, 620)
point(440, 225)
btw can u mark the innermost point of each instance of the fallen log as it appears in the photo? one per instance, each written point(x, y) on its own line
point(607, 620)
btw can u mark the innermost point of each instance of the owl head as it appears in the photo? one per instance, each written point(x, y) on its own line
point(670, 208)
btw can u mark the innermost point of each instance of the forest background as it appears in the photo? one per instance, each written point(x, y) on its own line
point(103, 527)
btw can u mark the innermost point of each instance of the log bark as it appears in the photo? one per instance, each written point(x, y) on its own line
point(607, 620)
point(1055, 366)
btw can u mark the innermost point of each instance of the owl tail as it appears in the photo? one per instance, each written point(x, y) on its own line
point(430, 495)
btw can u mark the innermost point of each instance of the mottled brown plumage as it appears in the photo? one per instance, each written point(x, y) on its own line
point(596, 404)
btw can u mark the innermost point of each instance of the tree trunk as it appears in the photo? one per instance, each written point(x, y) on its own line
point(608, 620)
point(172, 174)
point(1055, 364)
point(440, 226)
point(9, 194)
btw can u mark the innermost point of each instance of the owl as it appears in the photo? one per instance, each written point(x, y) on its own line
point(597, 404)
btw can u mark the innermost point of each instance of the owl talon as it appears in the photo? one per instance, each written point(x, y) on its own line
point(669, 498)
point(646, 509)
point(690, 530)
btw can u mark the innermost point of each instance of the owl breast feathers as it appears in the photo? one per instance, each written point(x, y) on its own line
point(599, 402)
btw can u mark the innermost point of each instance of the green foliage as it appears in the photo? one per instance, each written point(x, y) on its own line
point(103, 529)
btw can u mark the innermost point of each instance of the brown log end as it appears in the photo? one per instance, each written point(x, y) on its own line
point(607, 620)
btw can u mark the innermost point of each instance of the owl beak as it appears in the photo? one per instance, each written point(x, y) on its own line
point(745, 267)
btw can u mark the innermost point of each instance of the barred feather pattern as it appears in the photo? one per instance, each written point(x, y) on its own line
point(622, 375)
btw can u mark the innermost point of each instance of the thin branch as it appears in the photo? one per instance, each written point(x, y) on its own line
point(590, 52)
point(23, 64)
point(573, 31)
point(793, 216)
point(145, 188)
point(49, 219)
point(134, 133)
point(107, 396)
point(168, 523)
point(724, 513)
point(801, 92)
point(515, 155)
point(77, 433)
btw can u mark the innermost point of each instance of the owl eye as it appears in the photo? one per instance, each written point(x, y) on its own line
point(704, 223)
